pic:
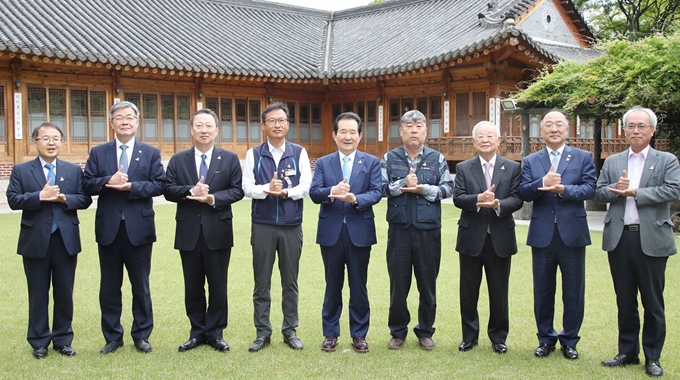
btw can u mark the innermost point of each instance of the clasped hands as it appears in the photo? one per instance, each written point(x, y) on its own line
point(622, 187)
point(276, 188)
point(341, 192)
point(119, 181)
point(488, 199)
point(51, 193)
point(200, 192)
point(552, 182)
point(412, 185)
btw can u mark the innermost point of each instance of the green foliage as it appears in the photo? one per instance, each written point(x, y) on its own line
point(643, 72)
point(630, 19)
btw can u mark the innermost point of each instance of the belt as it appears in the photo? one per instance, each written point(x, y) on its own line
point(632, 227)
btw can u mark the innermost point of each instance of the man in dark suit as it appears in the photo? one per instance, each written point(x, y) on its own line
point(558, 179)
point(486, 189)
point(49, 192)
point(204, 181)
point(126, 174)
point(347, 184)
point(415, 179)
point(639, 184)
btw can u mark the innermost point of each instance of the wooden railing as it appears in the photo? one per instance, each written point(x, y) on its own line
point(461, 148)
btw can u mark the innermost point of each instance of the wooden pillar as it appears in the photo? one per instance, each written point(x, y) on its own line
point(525, 212)
point(591, 205)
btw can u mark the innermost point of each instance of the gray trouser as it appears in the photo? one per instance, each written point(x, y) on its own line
point(266, 240)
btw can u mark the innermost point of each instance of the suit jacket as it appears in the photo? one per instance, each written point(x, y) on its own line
point(224, 179)
point(659, 185)
point(23, 193)
point(472, 225)
point(578, 177)
point(365, 183)
point(146, 175)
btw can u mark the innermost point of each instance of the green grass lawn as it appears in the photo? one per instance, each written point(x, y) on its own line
point(278, 361)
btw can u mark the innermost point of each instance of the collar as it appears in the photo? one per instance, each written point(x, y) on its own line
point(130, 144)
point(644, 152)
point(420, 152)
point(208, 154)
point(351, 156)
point(281, 149)
point(492, 161)
point(43, 162)
point(560, 150)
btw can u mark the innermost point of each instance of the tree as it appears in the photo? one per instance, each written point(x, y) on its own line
point(633, 19)
point(643, 72)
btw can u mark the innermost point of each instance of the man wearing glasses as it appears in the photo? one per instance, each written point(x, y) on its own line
point(49, 192)
point(126, 174)
point(639, 184)
point(277, 176)
point(558, 179)
point(486, 189)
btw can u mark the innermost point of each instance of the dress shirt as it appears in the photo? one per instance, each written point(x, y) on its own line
point(43, 163)
point(636, 164)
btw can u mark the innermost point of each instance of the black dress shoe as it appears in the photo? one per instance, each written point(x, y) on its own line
point(360, 345)
point(219, 344)
point(293, 342)
point(40, 352)
point(330, 344)
point(111, 347)
point(570, 352)
point(500, 348)
point(466, 345)
point(143, 346)
point(653, 368)
point(543, 350)
point(621, 360)
point(65, 350)
point(259, 344)
point(191, 344)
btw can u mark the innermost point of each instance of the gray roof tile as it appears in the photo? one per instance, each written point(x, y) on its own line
point(244, 37)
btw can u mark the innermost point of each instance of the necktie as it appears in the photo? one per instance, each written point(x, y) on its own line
point(51, 176)
point(487, 177)
point(487, 174)
point(555, 160)
point(124, 161)
point(203, 170)
point(345, 168)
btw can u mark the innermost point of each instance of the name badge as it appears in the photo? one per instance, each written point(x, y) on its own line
point(289, 172)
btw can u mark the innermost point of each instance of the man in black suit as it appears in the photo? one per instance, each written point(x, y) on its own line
point(486, 189)
point(204, 181)
point(126, 174)
point(49, 191)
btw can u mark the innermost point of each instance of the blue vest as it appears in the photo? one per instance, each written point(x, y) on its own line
point(277, 210)
point(413, 209)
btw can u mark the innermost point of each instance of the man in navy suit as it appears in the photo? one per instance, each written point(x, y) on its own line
point(486, 189)
point(204, 181)
point(49, 191)
point(347, 184)
point(558, 179)
point(126, 174)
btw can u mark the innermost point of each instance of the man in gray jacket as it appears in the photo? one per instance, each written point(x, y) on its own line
point(639, 184)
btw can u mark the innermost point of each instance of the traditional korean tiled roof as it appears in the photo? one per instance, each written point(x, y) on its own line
point(261, 39)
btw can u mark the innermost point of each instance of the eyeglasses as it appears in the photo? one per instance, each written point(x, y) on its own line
point(128, 119)
point(550, 125)
point(47, 139)
point(272, 122)
point(640, 127)
point(488, 137)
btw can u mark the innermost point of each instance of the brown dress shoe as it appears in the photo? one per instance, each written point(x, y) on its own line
point(426, 344)
point(395, 343)
point(360, 345)
point(330, 344)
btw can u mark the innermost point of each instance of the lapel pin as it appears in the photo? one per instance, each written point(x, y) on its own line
point(424, 164)
point(140, 151)
point(219, 157)
point(61, 179)
point(137, 159)
point(568, 157)
point(359, 161)
point(503, 167)
point(651, 168)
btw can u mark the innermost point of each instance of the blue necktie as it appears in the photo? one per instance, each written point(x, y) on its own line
point(51, 176)
point(555, 159)
point(345, 168)
point(203, 170)
point(124, 161)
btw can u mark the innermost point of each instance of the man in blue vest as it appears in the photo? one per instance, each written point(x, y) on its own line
point(277, 176)
point(415, 179)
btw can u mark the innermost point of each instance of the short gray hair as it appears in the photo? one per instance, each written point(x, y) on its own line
point(484, 122)
point(121, 105)
point(652, 116)
point(413, 116)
